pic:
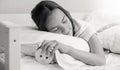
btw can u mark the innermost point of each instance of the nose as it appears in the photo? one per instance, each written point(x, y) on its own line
point(64, 30)
point(61, 30)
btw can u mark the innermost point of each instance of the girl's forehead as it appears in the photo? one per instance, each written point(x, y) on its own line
point(55, 17)
point(57, 13)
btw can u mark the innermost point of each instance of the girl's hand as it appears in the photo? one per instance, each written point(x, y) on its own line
point(49, 47)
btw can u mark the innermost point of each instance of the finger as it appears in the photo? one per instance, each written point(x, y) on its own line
point(38, 45)
point(55, 48)
point(47, 44)
point(53, 43)
point(50, 48)
point(43, 43)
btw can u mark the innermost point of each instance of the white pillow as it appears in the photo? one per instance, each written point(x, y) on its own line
point(30, 36)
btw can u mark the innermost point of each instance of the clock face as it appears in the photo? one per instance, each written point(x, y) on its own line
point(43, 58)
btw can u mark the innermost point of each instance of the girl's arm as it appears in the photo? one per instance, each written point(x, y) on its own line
point(29, 49)
point(96, 55)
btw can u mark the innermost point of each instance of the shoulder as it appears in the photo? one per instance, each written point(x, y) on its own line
point(86, 30)
point(93, 37)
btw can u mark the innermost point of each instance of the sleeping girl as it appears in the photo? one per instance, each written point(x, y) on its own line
point(51, 17)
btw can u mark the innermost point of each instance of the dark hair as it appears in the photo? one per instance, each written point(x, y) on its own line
point(41, 11)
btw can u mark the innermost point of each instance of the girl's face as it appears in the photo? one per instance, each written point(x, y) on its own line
point(58, 22)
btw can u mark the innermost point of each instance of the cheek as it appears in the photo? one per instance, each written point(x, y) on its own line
point(69, 26)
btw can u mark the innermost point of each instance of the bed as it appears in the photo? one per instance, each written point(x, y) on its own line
point(12, 27)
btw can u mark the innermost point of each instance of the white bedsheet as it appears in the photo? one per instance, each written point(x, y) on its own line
point(112, 63)
point(29, 63)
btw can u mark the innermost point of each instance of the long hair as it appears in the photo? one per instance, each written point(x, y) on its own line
point(41, 11)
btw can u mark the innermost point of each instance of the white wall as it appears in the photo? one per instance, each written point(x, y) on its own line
point(25, 6)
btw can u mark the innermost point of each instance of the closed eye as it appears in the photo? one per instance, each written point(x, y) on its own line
point(54, 29)
point(64, 20)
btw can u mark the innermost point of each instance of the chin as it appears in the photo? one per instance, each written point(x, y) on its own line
point(71, 34)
